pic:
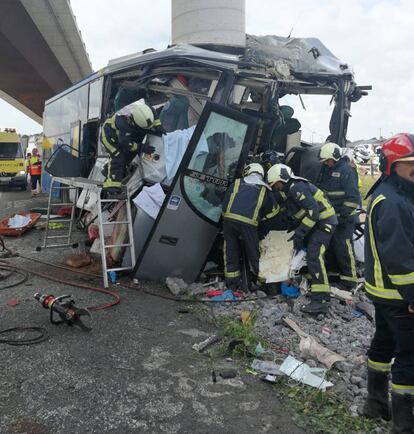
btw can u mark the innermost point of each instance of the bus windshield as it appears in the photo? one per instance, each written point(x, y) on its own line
point(10, 151)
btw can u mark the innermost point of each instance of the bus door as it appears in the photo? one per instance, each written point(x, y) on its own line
point(189, 219)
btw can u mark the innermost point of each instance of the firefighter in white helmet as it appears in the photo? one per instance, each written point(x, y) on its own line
point(339, 181)
point(316, 222)
point(246, 203)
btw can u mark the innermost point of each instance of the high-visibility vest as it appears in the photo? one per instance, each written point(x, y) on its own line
point(35, 166)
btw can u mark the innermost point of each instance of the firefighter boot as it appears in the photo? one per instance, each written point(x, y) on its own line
point(402, 413)
point(319, 304)
point(377, 405)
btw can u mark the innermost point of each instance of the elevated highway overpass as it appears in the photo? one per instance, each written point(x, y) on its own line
point(41, 52)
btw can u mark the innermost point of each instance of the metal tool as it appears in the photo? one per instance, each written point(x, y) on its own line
point(65, 307)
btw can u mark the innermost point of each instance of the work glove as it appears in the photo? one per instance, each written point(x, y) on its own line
point(158, 130)
point(148, 149)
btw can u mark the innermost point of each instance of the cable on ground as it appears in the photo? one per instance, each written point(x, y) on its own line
point(133, 286)
point(10, 269)
point(41, 336)
point(115, 296)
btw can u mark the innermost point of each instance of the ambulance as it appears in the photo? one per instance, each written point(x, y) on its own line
point(12, 169)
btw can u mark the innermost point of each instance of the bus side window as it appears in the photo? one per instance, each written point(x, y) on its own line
point(95, 97)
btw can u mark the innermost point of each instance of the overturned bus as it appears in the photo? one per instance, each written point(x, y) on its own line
point(218, 110)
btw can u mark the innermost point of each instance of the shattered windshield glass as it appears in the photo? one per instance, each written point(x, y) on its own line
point(213, 162)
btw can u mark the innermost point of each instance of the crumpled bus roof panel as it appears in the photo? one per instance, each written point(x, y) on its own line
point(302, 55)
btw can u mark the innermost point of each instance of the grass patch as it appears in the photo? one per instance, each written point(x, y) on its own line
point(239, 338)
point(322, 412)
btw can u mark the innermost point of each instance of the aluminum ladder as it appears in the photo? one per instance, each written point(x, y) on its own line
point(75, 184)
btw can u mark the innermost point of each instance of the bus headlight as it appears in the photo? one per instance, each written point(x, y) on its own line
point(22, 173)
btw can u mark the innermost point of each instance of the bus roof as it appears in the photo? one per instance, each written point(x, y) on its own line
point(262, 54)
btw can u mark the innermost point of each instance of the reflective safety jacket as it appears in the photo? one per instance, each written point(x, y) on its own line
point(35, 166)
point(308, 205)
point(248, 203)
point(340, 185)
point(389, 243)
point(120, 134)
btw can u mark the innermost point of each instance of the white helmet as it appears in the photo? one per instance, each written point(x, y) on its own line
point(330, 151)
point(142, 115)
point(279, 172)
point(253, 168)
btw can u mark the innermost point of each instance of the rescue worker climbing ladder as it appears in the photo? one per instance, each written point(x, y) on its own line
point(389, 282)
point(122, 135)
point(317, 221)
point(339, 181)
point(247, 201)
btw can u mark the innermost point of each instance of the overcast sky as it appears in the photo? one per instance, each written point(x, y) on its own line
point(374, 36)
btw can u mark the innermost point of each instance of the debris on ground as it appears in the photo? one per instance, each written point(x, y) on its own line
point(206, 343)
point(176, 286)
point(266, 367)
point(79, 260)
point(56, 226)
point(300, 371)
point(310, 348)
point(338, 340)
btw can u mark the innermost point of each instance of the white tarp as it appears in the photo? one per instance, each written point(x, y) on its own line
point(275, 256)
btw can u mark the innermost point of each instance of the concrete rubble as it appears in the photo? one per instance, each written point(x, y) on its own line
point(341, 332)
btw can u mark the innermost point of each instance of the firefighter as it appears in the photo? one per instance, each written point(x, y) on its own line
point(277, 221)
point(339, 182)
point(316, 223)
point(389, 282)
point(122, 135)
point(35, 169)
point(247, 201)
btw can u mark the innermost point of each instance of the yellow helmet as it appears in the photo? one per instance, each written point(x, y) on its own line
point(142, 115)
point(253, 168)
point(329, 151)
point(279, 172)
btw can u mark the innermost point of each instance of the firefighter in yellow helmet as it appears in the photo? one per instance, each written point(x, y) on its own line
point(122, 136)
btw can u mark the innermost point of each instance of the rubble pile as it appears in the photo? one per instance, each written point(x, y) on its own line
point(345, 331)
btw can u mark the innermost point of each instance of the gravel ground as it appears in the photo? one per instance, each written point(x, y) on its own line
point(338, 331)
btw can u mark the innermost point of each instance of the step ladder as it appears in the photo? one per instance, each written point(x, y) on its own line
point(76, 184)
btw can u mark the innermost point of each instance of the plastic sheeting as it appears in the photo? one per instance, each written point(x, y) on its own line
point(303, 373)
point(18, 221)
point(175, 145)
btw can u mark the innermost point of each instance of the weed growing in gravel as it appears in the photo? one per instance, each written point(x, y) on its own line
point(239, 338)
point(322, 412)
